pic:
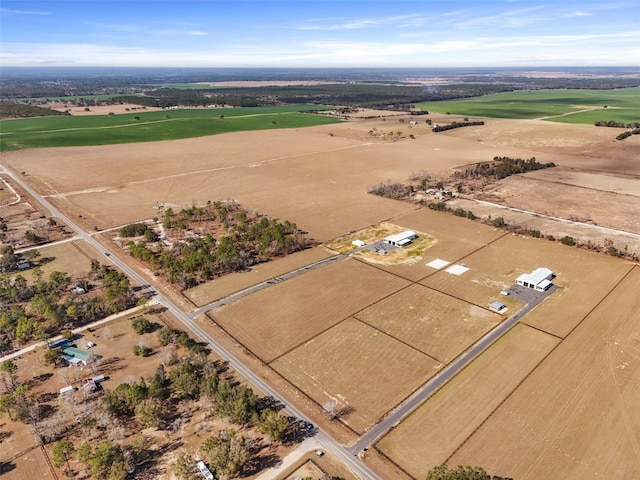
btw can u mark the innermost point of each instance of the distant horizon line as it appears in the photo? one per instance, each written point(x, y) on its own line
point(543, 67)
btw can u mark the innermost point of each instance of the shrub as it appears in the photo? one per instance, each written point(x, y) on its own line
point(567, 240)
point(141, 351)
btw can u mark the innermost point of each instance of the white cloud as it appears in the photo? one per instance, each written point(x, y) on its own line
point(326, 24)
point(9, 12)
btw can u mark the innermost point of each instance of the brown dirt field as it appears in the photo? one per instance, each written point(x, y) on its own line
point(376, 362)
point(308, 469)
point(99, 110)
point(432, 433)
point(17, 438)
point(434, 323)
point(551, 195)
point(583, 233)
point(294, 311)
point(30, 466)
point(576, 416)
point(224, 286)
point(304, 175)
point(499, 264)
point(577, 146)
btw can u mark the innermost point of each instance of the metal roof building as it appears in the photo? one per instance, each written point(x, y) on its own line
point(539, 279)
point(400, 239)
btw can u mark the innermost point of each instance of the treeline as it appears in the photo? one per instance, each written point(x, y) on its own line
point(244, 239)
point(22, 110)
point(502, 167)
point(48, 306)
point(614, 124)
point(451, 126)
point(396, 191)
point(624, 135)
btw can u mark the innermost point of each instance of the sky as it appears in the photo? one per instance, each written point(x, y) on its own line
point(320, 33)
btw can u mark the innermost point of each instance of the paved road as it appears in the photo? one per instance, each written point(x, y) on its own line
point(327, 442)
point(429, 388)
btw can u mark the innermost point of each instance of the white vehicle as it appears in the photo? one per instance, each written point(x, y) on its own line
point(89, 345)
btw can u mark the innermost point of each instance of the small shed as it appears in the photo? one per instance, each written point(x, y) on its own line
point(204, 470)
point(358, 243)
point(498, 307)
point(65, 390)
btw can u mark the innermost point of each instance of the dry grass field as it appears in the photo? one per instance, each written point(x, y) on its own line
point(434, 323)
point(427, 437)
point(29, 466)
point(73, 258)
point(224, 286)
point(604, 199)
point(352, 364)
point(294, 311)
point(576, 415)
point(585, 278)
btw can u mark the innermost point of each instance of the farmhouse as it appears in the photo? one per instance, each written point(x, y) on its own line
point(539, 279)
point(400, 239)
point(75, 356)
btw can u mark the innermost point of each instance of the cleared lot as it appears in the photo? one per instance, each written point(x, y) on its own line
point(273, 321)
point(431, 433)
point(352, 364)
point(432, 322)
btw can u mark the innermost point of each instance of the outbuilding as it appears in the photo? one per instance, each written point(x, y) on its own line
point(401, 239)
point(539, 279)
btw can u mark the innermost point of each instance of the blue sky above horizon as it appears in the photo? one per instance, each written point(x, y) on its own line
point(320, 33)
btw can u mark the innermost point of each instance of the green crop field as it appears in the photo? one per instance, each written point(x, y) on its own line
point(150, 126)
point(623, 105)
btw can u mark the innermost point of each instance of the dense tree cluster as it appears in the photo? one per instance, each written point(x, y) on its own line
point(502, 167)
point(44, 308)
point(614, 124)
point(627, 134)
point(23, 110)
point(451, 126)
point(243, 239)
point(397, 191)
point(443, 472)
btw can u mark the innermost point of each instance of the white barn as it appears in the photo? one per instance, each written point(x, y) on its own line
point(400, 239)
point(539, 279)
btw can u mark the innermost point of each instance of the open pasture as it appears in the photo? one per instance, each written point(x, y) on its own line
point(352, 364)
point(575, 416)
point(150, 126)
point(271, 322)
point(434, 323)
point(527, 104)
point(430, 434)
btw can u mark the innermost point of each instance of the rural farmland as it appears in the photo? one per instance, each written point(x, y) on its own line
point(344, 346)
